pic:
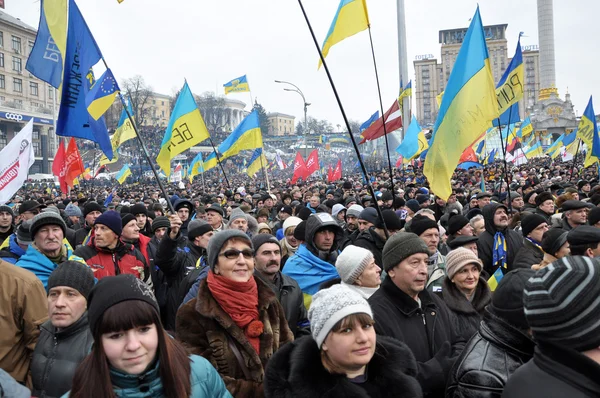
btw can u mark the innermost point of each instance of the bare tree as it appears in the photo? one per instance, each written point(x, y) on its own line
point(139, 93)
point(215, 113)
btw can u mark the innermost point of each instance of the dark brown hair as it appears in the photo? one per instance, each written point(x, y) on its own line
point(92, 377)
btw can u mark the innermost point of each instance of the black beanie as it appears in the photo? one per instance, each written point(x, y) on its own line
point(553, 240)
point(300, 231)
point(594, 216)
point(8, 210)
point(531, 222)
point(304, 213)
point(72, 274)
point(160, 222)
point(112, 220)
point(138, 208)
point(507, 300)
point(261, 239)
point(392, 222)
point(542, 197)
point(420, 224)
point(456, 222)
point(113, 290)
point(90, 207)
point(127, 218)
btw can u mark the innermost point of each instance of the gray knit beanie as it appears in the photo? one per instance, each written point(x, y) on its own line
point(72, 274)
point(400, 246)
point(329, 306)
point(47, 218)
point(198, 227)
point(72, 210)
point(24, 233)
point(218, 240)
point(235, 214)
point(352, 262)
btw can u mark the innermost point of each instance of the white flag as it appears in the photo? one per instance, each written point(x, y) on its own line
point(15, 160)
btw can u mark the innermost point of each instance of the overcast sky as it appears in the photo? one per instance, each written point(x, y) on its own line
point(212, 42)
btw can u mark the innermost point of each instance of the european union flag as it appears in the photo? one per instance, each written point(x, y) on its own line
point(102, 95)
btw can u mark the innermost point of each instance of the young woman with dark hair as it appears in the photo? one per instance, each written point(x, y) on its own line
point(132, 354)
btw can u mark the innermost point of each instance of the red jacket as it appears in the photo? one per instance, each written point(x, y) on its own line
point(123, 259)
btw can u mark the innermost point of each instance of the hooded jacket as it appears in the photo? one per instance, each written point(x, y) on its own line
point(33, 260)
point(485, 244)
point(11, 251)
point(123, 259)
point(317, 222)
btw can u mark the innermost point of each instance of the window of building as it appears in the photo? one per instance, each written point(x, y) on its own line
point(36, 134)
point(19, 103)
point(163, 113)
point(1, 39)
point(50, 92)
point(30, 43)
point(33, 89)
point(162, 102)
point(36, 149)
point(16, 64)
point(1, 60)
point(2, 82)
point(17, 85)
point(16, 44)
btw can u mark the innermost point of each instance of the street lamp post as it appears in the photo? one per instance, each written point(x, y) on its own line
point(306, 104)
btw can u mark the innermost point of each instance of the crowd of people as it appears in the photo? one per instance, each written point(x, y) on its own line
point(306, 289)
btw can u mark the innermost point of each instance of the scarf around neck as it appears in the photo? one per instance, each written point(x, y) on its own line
point(240, 301)
point(290, 249)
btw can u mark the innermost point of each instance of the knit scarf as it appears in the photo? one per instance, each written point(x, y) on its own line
point(240, 301)
point(499, 253)
point(533, 242)
point(289, 248)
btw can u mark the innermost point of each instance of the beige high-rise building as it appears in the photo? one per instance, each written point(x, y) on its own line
point(281, 124)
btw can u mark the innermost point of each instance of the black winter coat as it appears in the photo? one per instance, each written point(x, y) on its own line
point(427, 330)
point(485, 244)
point(370, 240)
point(488, 360)
point(159, 280)
point(467, 314)
point(80, 235)
point(57, 355)
point(528, 255)
point(296, 370)
point(555, 373)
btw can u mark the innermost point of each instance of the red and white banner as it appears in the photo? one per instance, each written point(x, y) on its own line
point(337, 172)
point(15, 160)
point(393, 121)
point(312, 163)
point(299, 168)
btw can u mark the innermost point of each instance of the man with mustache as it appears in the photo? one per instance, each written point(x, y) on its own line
point(498, 244)
point(267, 266)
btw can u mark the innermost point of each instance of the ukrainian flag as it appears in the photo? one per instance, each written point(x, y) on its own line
point(350, 18)
point(186, 129)
point(468, 107)
point(407, 92)
point(535, 151)
point(101, 95)
point(122, 175)
point(196, 167)
point(526, 127)
point(239, 85)
point(588, 132)
point(47, 58)
point(246, 135)
point(555, 146)
point(409, 147)
point(256, 162)
point(123, 133)
point(210, 161)
point(510, 88)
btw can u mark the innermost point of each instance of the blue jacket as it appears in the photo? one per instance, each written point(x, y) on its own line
point(205, 381)
point(41, 265)
point(11, 252)
point(193, 292)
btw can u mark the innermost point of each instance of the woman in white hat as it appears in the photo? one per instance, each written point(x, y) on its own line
point(357, 269)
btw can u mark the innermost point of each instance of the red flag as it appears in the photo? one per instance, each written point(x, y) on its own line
point(468, 156)
point(393, 121)
point(329, 175)
point(58, 166)
point(73, 163)
point(299, 168)
point(337, 172)
point(399, 162)
point(312, 163)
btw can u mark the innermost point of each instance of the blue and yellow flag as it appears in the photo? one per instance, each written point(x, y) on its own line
point(369, 122)
point(186, 128)
point(510, 88)
point(468, 107)
point(409, 147)
point(256, 162)
point(47, 58)
point(535, 151)
point(588, 132)
point(406, 92)
point(102, 95)
point(238, 85)
point(350, 18)
point(526, 127)
point(556, 145)
point(246, 135)
point(123, 133)
point(122, 175)
point(210, 161)
point(196, 167)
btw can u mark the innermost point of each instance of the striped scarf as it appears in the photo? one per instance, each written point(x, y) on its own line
point(533, 242)
point(499, 253)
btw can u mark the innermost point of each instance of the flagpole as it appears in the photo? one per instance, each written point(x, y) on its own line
point(339, 101)
point(219, 161)
point(502, 144)
point(387, 148)
point(574, 159)
point(265, 172)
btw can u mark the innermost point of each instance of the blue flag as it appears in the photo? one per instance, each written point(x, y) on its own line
point(82, 53)
point(369, 122)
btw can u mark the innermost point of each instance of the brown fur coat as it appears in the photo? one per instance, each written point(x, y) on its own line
point(203, 327)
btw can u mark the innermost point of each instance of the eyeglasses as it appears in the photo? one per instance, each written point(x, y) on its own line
point(232, 254)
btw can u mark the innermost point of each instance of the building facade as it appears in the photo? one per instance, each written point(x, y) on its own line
point(22, 96)
point(281, 124)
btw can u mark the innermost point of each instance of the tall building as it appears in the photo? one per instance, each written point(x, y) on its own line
point(22, 96)
point(281, 124)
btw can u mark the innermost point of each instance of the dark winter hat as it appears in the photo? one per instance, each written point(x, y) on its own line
point(594, 216)
point(542, 197)
point(574, 205)
point(285, 209)
point(126, 219)
point(413, 205)
point(583, 235)
point(460, 241)
point(218, 240)
point(49, 218)
point(215, 208)
point(112, 220)
point(160, 222)
point(507, 300)
point(553, 240)
point(369, 214)
point(347, 185)
point(304, 213)
point(420, 224)
point(400, 246)
point(392, 222)
point(90, 207)
point(456, 222)
point(72, 274)
point(531, 222)
point(422, 198)
point(349, 200)
point(561, 303)
point(24, 234)
point(8, 210)
point(260, 239)
point(300, 231)
point(179, 203)
point(112, 290)
point(197, 228)
point(387, 195)
point(138, 208)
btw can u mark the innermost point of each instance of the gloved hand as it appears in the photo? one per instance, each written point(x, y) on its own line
point(444, 357)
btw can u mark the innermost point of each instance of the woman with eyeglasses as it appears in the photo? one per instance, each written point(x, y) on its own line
point(235, 321)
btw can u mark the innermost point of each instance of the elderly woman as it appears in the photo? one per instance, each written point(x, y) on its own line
point(358, 270)
point(555, 246)
point(343, 357)
point(235, 321)
point(465, 293)
point(289, 244)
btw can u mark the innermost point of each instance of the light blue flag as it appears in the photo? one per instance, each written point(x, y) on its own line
point(409, 147)
point(369, 122)
point(82, 53)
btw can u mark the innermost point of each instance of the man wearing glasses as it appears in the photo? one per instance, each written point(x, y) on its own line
point(29, 209)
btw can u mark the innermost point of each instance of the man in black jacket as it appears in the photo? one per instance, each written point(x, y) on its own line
point(533, 227)
point(373, 239)
point(91, 211)
point(502, 344)
point(404, 310)
point(267, 265)
point(65, 339)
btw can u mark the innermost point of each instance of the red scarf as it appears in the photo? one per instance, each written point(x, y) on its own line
point(240, 301)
